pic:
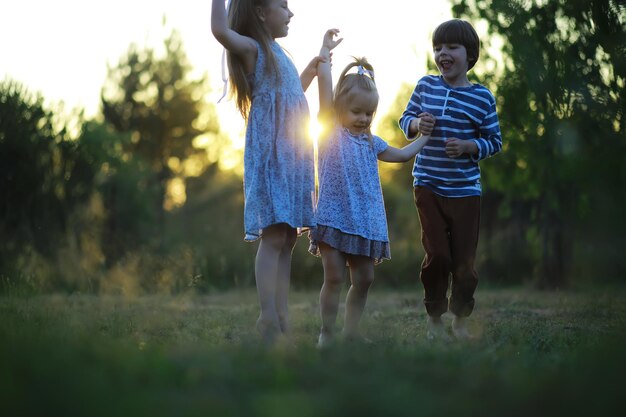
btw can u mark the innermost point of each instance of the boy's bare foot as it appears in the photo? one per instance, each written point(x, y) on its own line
point(435, 329)
point(459, 328)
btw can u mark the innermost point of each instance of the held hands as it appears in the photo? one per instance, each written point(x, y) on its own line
point(312, 65)
point(425, 123)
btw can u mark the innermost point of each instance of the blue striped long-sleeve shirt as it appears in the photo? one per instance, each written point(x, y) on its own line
point(467, 113)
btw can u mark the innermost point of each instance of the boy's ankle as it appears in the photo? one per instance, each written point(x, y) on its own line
point(459, 328)
point(435, 329)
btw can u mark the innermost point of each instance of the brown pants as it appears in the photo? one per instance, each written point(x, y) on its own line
point(450, 237)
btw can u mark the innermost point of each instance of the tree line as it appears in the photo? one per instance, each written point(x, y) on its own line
point(91, 205)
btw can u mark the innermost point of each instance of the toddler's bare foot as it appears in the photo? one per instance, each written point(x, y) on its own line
point(357, 338)
point(325, 340)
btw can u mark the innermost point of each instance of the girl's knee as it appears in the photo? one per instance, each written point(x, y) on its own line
point(333, 280)
point(280, 236)
point(290, 238)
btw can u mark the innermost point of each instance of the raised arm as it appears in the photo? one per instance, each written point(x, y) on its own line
point(404, 154)
point(324, 75)
point(237, 44)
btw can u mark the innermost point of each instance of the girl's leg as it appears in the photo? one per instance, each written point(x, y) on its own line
point(266, 271)
point(334, 263)
point(362, 277)
point(283, 278)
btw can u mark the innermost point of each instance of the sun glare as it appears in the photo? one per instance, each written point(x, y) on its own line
point(315, 129)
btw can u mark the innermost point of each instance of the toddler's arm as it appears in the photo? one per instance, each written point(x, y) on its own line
point(325, 79)
point(392, 154)
point(328, 44)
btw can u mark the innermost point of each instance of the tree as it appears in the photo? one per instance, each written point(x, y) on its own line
point(153, 99)
point(44, 175)
point(123, 185)
point(561, 98)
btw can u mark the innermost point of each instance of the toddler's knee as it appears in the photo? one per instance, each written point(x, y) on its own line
point(364, 283)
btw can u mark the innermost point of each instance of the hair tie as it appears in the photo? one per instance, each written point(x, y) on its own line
point(224, 74)
point(365, 71)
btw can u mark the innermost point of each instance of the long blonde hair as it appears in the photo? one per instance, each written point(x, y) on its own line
point(349, 82)
point(243, 19)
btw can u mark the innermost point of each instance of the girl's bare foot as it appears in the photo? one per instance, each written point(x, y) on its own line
point(268, 331)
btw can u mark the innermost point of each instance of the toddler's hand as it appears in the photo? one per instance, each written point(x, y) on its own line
point(329, 41)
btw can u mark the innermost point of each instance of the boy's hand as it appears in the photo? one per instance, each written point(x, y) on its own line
point(457, 147)
point(425, 123)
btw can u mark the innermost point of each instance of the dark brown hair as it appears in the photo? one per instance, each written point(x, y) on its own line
point(461, 32)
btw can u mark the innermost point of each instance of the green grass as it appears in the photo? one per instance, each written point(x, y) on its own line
point(538, 353)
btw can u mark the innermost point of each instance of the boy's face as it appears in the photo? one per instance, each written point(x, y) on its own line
point(451, 60)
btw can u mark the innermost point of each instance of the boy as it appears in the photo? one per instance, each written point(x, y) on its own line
point(446, 173)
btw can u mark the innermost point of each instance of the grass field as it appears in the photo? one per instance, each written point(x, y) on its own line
point(537, 353)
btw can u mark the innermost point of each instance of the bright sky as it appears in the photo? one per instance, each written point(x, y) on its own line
point(61, 48)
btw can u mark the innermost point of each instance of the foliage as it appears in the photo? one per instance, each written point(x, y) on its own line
point(136, 201)
point(152, 98)
point(210, 225)
point(537, 352)
point(45, 175)
point(125, 189)
point(560, 95)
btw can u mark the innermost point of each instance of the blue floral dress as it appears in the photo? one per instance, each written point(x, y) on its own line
point(350, 212)
point(279, 173)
